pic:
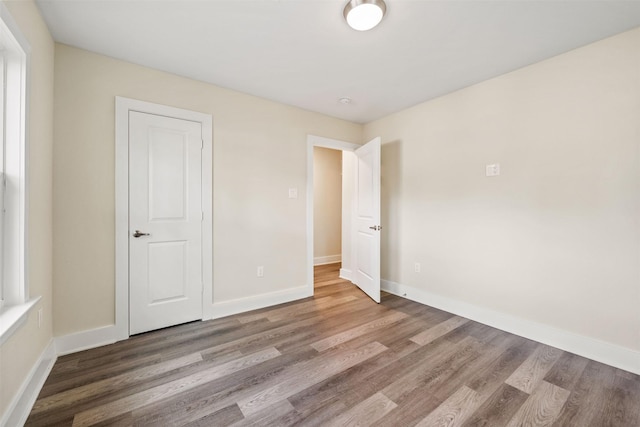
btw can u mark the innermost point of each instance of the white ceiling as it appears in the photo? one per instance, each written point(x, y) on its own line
point(302, 53)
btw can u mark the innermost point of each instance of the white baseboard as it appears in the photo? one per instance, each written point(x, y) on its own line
point(241, 305)
point(85, 340)
point(19, 409)
point(105, 335)
point(591, 348)
point(345, 273)
point(329, 259)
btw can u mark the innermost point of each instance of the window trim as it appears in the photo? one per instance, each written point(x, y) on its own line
point(16, 302)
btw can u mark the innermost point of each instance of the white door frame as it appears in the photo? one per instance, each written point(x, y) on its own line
point(317, 141)
point(123, 106)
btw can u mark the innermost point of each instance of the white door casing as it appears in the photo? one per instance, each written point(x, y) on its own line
point(165, 221)
point(366, 247)
point(125, 110)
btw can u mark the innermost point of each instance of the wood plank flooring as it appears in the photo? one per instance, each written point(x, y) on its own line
point(336, 359)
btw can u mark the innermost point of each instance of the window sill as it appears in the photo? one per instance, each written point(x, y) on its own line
point(13, 316)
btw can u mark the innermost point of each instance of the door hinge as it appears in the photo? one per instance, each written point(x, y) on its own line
point(201, 216)
point(202, 144)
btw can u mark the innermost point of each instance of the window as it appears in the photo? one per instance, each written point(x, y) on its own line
point(14, 296)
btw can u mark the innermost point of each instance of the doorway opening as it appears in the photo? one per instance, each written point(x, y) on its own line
point(328, 176)
point(360, 214)
point(329, 207)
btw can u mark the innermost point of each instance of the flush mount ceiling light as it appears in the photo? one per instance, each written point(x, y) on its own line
point(363, 15)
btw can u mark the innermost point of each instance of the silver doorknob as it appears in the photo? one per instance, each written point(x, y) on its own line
point(138, 233)
point(376, 227)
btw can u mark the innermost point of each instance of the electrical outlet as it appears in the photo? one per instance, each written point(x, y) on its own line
point(416, 267)
point(260, 271)
point(39, 318)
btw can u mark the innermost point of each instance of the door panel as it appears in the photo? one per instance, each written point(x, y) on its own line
point(367, 245)
point(167, 271)
point(167, 170)
point(165, 203)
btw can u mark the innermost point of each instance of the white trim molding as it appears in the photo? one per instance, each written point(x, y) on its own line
point(591, 348)
point(345, 273)
point(18, 410)
point(255, 302)
point(85, 340)
point(123, 107)
point(13, 316)
point(329, 259)
point(105, 335)
point(14, 279)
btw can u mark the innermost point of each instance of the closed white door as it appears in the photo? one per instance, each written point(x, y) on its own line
point(367, 219)
point(165, 221)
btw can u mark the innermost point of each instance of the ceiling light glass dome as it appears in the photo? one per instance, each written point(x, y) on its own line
point(363, 15)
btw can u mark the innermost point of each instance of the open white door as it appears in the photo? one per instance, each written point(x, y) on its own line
point(366, 255)
point(165, 221)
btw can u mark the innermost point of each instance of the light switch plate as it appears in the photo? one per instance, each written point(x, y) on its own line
point(293, 193)
point(493, 170)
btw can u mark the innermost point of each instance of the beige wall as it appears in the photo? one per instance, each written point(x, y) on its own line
point(327, 199)
point(19, 354)
point(555, 239)
point(259, 153)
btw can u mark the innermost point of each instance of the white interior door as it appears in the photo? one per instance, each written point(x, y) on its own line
point(367, 219)
point(165, 221)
